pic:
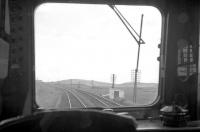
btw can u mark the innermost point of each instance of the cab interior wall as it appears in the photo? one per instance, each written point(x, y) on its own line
point(17, 89)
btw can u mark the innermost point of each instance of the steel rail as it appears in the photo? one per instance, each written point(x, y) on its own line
point(105, 104)
point(70, 105)
point(99, 98)
point(81, 102)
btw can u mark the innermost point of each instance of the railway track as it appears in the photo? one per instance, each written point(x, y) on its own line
point(99, 99)
point(74, 101)
point(76, 98)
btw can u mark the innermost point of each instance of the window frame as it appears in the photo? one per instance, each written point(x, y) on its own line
point(140, 112)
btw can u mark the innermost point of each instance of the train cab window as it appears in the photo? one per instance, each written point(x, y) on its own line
point(86, 55)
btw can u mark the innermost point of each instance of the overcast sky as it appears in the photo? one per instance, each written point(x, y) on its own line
point(79, 41)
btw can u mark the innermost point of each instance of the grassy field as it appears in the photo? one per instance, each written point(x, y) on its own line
point(48, 93)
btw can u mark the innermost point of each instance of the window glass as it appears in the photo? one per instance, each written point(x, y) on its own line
point(86, 57)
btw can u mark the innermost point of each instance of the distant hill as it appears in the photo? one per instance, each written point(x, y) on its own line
point(91, 83)
point(88, 83)
point(130, 84)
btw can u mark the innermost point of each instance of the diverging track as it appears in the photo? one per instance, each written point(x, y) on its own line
point(100, 101)
point(77, 98)
point(74, 101)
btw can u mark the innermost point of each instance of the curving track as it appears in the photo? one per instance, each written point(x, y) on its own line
point(74, 101)
point(77, 98)
point(103, 101)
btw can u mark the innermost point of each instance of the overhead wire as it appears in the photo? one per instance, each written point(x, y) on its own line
point(127, 24)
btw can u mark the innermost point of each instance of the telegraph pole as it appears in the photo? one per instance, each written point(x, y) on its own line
point(132, 31)
point(137, 65)
point(113, 80)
